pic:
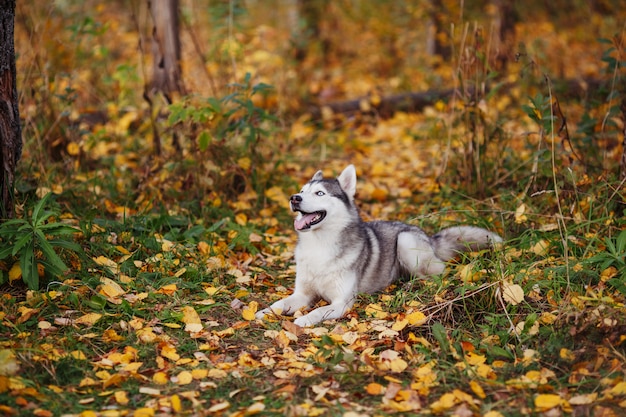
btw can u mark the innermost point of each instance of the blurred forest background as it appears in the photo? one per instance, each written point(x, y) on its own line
point(255, 74)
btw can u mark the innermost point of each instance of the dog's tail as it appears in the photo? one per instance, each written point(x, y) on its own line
point(453, 240)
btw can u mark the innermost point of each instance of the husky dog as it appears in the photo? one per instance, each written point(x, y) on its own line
point(339, 255)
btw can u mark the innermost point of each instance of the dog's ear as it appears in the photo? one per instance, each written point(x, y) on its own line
point(347, 180)
point(319, 175)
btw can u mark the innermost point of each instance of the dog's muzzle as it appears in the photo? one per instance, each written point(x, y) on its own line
point(305, 220)
point(295, 201)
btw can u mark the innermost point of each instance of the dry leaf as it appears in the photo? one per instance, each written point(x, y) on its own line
point(512, 293)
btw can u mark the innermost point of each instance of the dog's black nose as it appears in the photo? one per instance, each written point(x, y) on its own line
point(296, 198)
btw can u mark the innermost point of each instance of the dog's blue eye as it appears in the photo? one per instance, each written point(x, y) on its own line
point(320, 193)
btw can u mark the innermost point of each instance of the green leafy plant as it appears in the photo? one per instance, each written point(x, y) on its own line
point(32, 241)
point(614, 256)
point(230, 116)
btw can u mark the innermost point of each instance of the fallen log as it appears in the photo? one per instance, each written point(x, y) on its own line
point(386, 106)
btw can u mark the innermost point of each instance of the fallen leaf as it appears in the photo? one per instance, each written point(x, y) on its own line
point(192, 321)
point(544, 402)
point(9, 365)
point(512, 293)
point(248, 312)
point(88, 319)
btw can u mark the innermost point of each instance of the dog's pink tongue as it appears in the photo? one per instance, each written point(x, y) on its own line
point(302, 222)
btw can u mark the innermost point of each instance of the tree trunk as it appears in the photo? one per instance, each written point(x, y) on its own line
point(10, 129)
point(438, 41)
point(166, 71)
point(622, 162)
point(505, 20)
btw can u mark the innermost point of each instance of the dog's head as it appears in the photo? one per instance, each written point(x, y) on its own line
point(325, 201)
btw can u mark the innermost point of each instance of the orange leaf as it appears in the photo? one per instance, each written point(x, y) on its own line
point(374, 388)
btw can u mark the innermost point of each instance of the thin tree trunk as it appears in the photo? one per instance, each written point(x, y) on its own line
point(622, 162)
point(166, 71)
point(10, 129)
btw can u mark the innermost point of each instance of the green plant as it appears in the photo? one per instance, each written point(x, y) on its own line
point(228, 117)
point(33, 241)
point(614, 256)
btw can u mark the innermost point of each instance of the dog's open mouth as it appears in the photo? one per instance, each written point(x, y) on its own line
point(306, 220)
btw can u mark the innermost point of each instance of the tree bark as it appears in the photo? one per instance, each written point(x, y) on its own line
point(166, 72)
point(10, 129)
point(622, 162)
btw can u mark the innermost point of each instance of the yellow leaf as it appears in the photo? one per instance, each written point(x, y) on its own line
point(475, 359)
point(445, 402)
point(160, 378)
point(608, 273)
point(79, 355)
point(244, 163)
point(241, 219)
point(73, 149)
point(248, 312)
point(167, 245)
point(391, 360)
point(184, 378)
point(168, 351)
point(467, 273)
point(417, 318)
point(88, 319)
point(493, 413)
point(110, 288)
point(113, 380)
point(544, 402)
point(146, 335)
point(276, 194)
point(399, 325)
point(199, 373)
point(520, 217)
point(191, 320)
point(121, 397)
point(211, 290)
point(477, 389)
point(204, 248)
point(15, 272)
point(380, 194)
point(110, 335)
point(132, 367)
point(540, 248)
point(144, 412)
point(619, 389)
point(376, 311)
point(512, 293)
point(217, 373)
point(167, 289)
point(567, 354)
point(106, 262)
point(176, 403)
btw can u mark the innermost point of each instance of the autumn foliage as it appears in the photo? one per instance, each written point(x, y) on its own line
point(130, 280)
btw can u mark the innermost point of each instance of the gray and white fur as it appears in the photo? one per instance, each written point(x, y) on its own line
point(338, 255)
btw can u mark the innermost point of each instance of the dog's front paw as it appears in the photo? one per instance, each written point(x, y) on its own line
point(305, 321)
point(261, 314)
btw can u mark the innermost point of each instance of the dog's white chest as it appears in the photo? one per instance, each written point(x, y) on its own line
point(321, 271)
